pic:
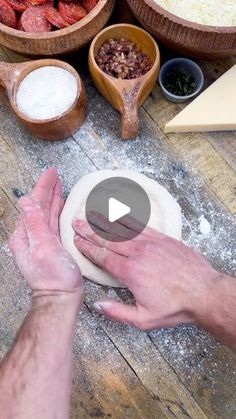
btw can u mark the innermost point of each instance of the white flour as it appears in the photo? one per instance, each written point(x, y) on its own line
point(46, 93)
point(204, 226)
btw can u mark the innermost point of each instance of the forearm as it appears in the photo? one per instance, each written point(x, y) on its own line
point(35, 376)
point(218, 313)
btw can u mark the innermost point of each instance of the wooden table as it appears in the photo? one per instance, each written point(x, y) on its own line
point(120, 372)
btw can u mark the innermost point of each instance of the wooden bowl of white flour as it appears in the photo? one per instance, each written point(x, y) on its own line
point(48, 97)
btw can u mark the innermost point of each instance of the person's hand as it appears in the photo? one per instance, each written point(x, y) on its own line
point(170, 281)
point(36, 245)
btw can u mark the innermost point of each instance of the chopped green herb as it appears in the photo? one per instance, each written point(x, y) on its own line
point(179, 83)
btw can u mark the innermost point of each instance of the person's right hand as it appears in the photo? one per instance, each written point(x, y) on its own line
point(170, 282)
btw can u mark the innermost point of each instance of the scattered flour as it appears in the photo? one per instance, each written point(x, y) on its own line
point(204, 226)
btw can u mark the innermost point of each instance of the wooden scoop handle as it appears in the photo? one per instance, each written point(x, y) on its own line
point(130, 119)
point(9, 73)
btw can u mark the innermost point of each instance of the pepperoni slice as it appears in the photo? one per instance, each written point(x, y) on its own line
point(19, 26)
point(36, 2)
point(68, 19)
point(7, 14)
point(89, 4)
point(46, 4)
point(72, 10)
point(55, 18)
point(18, 5)
point(33, 20)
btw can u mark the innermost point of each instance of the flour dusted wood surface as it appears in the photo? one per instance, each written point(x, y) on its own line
point(210, 153)
point(120, 372)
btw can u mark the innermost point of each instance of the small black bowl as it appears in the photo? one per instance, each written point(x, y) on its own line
point(187, 66)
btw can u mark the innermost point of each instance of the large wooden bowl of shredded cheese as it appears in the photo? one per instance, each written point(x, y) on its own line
point(61, 41)
point(205, 28)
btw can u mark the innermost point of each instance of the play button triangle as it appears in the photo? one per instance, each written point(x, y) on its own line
point(117, 210)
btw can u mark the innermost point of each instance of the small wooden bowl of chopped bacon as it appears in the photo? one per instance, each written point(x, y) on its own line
point(51, 27)
point(124, 62)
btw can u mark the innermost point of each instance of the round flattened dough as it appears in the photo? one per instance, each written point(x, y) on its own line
point(165, 216)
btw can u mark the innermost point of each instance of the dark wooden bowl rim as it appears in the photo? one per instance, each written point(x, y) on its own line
point(51, 35)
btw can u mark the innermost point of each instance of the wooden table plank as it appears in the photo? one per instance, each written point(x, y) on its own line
point(154, 373)
point(103, 384)
point(212, 162)
point(203, 365)
point(225, 145)
point(13, 179)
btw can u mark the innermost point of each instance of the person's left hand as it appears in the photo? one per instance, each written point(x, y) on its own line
point(36, 244)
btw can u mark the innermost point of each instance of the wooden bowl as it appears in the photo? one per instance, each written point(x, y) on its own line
point(182, 35)
point(126, 95)
point(57, 128)
point(58, 42)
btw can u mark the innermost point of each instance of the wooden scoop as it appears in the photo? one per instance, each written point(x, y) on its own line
point(56, 128)
point(126, 95)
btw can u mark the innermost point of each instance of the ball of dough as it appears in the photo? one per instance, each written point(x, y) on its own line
point(165, 216)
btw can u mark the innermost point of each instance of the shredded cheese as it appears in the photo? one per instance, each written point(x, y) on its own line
point(206, 12)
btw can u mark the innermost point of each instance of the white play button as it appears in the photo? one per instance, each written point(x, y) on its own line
point(115, 200)
point(117, 210)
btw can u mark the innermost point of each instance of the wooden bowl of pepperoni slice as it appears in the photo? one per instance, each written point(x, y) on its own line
point(51, 27)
